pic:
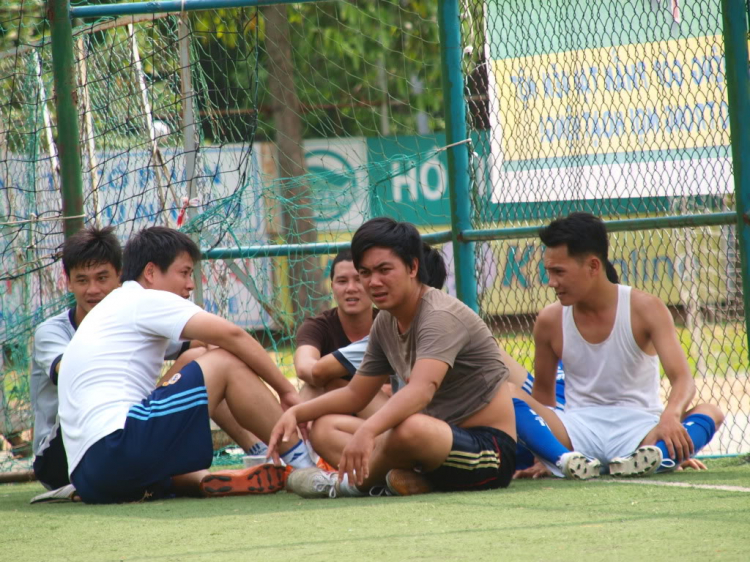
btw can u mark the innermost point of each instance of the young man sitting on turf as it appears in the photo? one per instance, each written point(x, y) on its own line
point(92, 262)
point(127, 440)
point(451, 427)
point(611, 339)
point(320, 336)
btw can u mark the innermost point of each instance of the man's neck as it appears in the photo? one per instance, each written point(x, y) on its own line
point(406, 312)
point(80, 314)
point(601, 297)
point(356, 326)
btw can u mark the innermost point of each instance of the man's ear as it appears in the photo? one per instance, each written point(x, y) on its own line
point(414, 267)
point(595, 264)
point(148, 272)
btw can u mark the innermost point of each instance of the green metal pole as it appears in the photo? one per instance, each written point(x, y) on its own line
point(738, 97)
point(68, 140)
point(458, 155)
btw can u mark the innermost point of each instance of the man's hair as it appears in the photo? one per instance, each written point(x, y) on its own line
point(92, 246)
point(343, 255)
point(404, 240)
point(583, 234)
point(158, 244)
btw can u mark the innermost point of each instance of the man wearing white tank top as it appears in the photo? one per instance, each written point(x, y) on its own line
point(611, 339)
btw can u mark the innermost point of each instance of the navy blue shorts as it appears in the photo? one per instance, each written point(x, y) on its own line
point(167, 434)
point(51, 467)
point(481, 458)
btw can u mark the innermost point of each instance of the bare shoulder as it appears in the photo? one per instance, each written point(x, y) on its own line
point(549, 317)
point(649, 308)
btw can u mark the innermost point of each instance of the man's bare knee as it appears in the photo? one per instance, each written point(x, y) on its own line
point(219, 360)
point(710, 410)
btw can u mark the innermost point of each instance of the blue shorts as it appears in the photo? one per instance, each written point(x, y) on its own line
point(167, 434)
point(481, 458)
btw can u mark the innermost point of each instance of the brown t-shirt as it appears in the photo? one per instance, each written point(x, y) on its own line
point(324, 332)
point(447, 330)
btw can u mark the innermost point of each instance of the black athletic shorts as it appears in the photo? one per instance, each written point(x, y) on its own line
point(51, 467)
point(481, 458)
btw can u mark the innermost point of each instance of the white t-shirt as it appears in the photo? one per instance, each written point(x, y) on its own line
point(114, 361)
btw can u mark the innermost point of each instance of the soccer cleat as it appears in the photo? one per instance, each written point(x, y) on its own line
point(312, 482)
point(643, 462)
point(64, 494)
point(577, 466)
point(324, 465)
point(404, 482)
point(261, 479)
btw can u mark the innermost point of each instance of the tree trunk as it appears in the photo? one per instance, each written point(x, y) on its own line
point(305, 278)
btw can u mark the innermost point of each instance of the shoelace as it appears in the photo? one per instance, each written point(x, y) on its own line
point(323, 480)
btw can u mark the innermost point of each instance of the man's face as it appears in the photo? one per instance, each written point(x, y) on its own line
point(570, 277)
point(90, 284)
point(386, 279)
point(348, 291)
point(177, 279)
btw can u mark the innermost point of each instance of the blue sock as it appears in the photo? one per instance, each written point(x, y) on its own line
point(258, 449)
point(524, 457)
point(700, 428)
point(534, 432)
point(298, 456)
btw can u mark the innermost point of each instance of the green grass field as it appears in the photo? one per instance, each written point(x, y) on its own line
point(542, 520)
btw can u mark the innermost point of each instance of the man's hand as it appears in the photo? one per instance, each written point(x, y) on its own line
point(695, 464)
point(289, 399)
point(675, 436)
point(284, 430)
point(355, 459)
point(536, 470)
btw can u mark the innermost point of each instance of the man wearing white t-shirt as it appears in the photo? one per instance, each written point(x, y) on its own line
point(127, 440)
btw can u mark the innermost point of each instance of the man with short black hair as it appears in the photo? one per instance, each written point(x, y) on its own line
point(611, 339)
point(127, 440)
point(451, 426)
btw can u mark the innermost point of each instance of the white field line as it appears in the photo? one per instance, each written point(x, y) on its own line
point(677, 485)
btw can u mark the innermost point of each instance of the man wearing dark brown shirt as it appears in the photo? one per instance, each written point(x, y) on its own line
point(451, 427)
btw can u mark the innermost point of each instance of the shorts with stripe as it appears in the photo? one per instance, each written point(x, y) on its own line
point(166, 434)
point(481, 458)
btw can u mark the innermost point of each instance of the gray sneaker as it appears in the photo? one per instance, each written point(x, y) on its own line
point(643, 462)
point(313, 482)
point(577, 466)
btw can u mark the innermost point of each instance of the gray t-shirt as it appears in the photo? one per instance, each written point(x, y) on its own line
point(447, 330)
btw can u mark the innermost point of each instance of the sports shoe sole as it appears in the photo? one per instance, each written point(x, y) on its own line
point(643, 462)
point(579, 467)
point(402, 482)
point(262, 479)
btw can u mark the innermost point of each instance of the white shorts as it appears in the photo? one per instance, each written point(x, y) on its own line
point(606, 432)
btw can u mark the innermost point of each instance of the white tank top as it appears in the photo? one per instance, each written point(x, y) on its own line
point(615, 372)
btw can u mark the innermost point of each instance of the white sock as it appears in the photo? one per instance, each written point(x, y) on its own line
point(349, 490)
point(297, 456)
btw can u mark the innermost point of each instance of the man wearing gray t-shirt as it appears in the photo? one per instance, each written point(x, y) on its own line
point(451, 427)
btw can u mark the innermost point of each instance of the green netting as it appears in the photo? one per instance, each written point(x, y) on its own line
point(294, 124)
point(246, 126)
point(619, 109)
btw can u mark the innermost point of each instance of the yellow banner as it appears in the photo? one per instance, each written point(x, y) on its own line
point(662, 95)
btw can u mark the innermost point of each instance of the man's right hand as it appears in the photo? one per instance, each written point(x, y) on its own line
point(284, 430)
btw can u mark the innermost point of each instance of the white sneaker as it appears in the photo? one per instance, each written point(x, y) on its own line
point(644, 461)
point(64, 494)
point(312, 482)
point(577, 466)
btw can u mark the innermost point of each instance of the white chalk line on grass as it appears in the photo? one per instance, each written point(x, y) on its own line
point(679, 485)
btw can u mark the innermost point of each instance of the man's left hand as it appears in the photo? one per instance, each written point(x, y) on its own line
point(675, 437)
point(355, 459)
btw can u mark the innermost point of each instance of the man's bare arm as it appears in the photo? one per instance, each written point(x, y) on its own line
point(305, 359)
point(326, 369)
point(660, 330)
point(214, 330)
point(545, 358)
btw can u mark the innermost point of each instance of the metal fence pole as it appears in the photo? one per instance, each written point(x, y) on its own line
point(458, 155)
point(738, 97)
point(68, 140)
